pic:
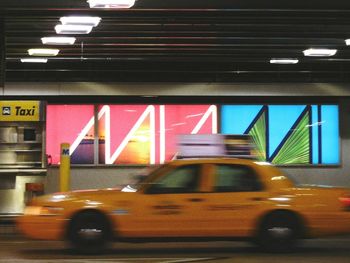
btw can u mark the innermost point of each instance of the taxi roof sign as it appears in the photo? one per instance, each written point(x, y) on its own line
point(216, 145)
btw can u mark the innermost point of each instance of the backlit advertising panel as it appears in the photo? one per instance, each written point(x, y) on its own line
point(147, 134)
point(127, 134)
point(70, 124)
point(287, 134)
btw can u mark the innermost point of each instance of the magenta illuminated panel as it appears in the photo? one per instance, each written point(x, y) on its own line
point(128, 134)
point(147, 134)
point(70, 123)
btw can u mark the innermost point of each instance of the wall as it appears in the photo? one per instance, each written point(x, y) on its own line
point(101, 177)
point(87, 178)
point(13, 200)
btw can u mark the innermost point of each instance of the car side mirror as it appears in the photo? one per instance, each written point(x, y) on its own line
point(140, 178)
point(153, 189)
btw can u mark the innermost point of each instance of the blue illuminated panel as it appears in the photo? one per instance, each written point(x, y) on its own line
point(236, 119)
point(315, 129)
point(330, 134)
point(281, 120)
point(293, 134)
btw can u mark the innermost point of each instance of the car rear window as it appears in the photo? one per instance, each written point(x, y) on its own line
point(235, 178)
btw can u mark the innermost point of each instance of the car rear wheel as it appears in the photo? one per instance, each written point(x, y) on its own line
point(279, 232)
point(89, 232)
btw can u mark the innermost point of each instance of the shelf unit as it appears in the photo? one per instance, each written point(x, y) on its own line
point(21, 145)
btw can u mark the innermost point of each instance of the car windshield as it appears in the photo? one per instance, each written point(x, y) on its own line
point(144, 177)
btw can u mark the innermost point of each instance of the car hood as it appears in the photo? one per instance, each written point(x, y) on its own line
point(90, 194)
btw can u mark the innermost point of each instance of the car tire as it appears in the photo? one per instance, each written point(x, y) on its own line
point(279, 232)
point(89, 232)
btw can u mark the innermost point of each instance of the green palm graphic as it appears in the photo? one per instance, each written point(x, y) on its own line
point(258, 133)
point(296, 149)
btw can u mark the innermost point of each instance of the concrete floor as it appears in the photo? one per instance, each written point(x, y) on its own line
point(17, 249)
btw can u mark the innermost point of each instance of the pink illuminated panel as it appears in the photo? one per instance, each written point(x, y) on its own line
point(128, 134)
point(186, 119)
point(67, 123)
point(147, 134)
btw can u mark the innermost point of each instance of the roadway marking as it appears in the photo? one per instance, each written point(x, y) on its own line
point(12, 242)
point(115, 260)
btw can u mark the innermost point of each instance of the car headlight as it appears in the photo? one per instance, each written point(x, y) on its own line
point(43, 210)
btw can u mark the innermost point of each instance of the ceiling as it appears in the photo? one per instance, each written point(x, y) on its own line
point(183, 41)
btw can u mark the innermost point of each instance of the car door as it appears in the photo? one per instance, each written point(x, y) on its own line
point(171, 205)
point(235, 201)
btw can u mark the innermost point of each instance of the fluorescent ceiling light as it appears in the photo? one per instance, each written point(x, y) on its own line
point(73, 29)
point(43, 52)
point(284, 61)
point(34, 60)
point(347, 41)
point(320, 52)
point(80, 20)
point(58, 40)
point(111, 3)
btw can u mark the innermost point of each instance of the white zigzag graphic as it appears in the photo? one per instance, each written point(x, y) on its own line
point(149, 111)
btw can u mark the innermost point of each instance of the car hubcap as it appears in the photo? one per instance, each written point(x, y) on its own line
point(90, 233)
point(280, 232)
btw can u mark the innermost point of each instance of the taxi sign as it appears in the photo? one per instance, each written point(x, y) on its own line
point(216, 145)
point(19, 110)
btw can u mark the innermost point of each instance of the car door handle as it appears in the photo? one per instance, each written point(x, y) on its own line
point(195, 199)
point(256, 198)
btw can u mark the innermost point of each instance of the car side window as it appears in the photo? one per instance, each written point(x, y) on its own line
point(236, 178)
point(184, 179)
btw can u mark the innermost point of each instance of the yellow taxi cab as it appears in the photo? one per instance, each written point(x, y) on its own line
point(197, 199)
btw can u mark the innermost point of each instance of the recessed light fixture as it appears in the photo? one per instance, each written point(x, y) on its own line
point(111, 3)
point(43, 52)
point(58, 40)
point(284, 61)
point(34, 60)
point(73, 29)
point(80, 20)
point(347, 41)
point(320, 52)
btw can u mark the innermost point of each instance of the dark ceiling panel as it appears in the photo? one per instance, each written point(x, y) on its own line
point(187, 4)
point(183, 40)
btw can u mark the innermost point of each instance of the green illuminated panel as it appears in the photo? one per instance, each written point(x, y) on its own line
point(258, 133)
point(296, 148)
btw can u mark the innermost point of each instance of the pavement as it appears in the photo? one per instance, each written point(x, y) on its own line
point(15, 249)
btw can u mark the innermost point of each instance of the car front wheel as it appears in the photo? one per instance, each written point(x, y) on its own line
point(89, 232)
